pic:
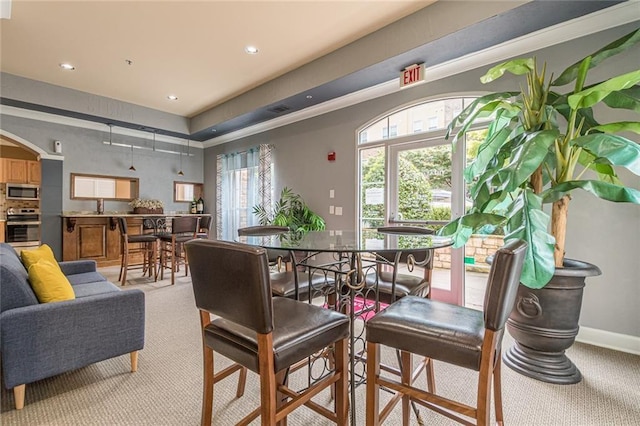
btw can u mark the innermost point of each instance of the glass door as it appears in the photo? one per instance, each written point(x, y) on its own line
point(426, 189)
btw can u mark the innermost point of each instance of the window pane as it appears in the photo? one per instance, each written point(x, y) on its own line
point(372, 189)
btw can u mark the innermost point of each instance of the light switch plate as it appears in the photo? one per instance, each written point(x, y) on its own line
point(332, 193)
point(338, 211)
point(331, 209)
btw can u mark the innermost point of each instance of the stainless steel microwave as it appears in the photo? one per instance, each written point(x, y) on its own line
point(21, 191)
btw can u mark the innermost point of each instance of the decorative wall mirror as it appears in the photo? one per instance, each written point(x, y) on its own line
point(185, 192)
point(93, 187)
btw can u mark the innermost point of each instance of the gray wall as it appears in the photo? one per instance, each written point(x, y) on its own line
point(84, 152)
point(606, 234)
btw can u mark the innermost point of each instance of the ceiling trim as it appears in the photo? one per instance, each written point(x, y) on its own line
point(601, 20)
point(91, 125)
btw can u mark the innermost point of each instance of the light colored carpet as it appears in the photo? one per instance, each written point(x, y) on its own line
point(166, 390)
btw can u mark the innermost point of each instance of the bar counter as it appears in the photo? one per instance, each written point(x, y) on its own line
point(89, 235)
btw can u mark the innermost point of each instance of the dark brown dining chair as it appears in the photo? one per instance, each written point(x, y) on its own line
point(204, 227)
point(453, 334)
point(284, 280)
point(144, 245)
point(172, 253)
point(393, 284)
point(264, 334)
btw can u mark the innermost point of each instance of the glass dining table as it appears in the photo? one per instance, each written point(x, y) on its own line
point(345, 260)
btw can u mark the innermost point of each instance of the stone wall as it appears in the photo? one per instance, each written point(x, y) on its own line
point(478, 248)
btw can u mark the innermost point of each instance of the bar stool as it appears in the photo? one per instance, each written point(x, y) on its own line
point(172, 252)
point(204, 227)
point(145, 244)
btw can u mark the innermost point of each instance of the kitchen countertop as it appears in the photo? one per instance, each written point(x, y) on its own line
point(128, 214)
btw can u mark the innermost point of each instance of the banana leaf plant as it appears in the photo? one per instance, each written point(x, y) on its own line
point(540, 146)
point(290, 210)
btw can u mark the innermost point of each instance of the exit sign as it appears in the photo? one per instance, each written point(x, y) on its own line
point(412, 75)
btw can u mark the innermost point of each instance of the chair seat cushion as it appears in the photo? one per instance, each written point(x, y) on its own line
point(85, 277)
point(283, 283)
point(433, 329)
point(142, 238)
point(94, 288)
point(300, 329)
point(405, 284)
point(166, 237)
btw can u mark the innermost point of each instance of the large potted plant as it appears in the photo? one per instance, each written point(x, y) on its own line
point(290, 210)
point(541, 145)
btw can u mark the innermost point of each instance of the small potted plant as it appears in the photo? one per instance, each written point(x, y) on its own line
point(541, 146)
point(290, 210)
point(143, 206)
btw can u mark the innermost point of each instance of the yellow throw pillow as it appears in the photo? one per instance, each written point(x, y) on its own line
point(29, 257)
point(49, 283)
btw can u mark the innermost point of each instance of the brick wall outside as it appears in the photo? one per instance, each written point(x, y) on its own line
point(478, 248)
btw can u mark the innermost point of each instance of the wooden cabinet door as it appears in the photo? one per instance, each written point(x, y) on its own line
point(34, 174)
point(2, 228)
point(14, 171)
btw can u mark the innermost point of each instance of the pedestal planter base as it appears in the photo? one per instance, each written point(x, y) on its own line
point(544, 323)
point(550, 367)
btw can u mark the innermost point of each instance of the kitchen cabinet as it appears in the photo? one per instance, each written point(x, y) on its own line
point(20, 171)
point(2, 228)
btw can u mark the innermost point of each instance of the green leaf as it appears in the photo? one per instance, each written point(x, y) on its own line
point(606, 191)
point(527, 158)
point(620, 126)
point(462, 228)
point(486, 152)
point(591, 96)
point(515, 66)
point(625, 99)
point(615, 149)
point(618, 46)
point(527, 221)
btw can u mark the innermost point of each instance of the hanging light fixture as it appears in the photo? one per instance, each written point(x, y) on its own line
point(180, 173)
point(154, 141)
point(133, 169)
point(110, 131)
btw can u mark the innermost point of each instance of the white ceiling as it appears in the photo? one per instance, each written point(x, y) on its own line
point(194, 50)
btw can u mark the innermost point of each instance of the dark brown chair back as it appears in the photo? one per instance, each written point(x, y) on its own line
point(205, 223)
point(184, 225)
point(261, 230)
point(502, 284)
point(418, 255)
point(123, 225)
point(231, 280)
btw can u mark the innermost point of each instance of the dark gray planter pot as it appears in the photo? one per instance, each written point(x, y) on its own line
point(544, 323)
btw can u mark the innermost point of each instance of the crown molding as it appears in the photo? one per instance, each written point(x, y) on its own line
point(91, 125)
point(601, 20)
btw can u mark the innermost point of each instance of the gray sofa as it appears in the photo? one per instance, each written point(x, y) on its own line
point(40, 340)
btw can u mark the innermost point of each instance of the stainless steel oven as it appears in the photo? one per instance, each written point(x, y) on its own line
point(23, 227)
point(22, 191)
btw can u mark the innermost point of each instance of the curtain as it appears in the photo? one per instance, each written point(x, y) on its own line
point(243, 181)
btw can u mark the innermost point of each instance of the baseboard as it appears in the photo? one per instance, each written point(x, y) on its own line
point(609, 340)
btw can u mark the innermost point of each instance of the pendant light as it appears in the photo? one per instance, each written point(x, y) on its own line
point(110, 131)
point(133, 169)
point(180, 173)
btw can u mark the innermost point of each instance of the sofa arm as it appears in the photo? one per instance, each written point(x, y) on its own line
point(73, 267)
point(43, 340)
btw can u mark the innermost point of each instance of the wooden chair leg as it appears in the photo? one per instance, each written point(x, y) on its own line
point(173, 264)
point(281, 398)
point(267, 380)
point(134, 361)
point(406, 371)
point(431, 377)
point(373, 388)
point(207, 386)
point(497, 389)
point(342, 385)
point(18, 396)
point(242, 381)
point(125, 265)
point(485, 377)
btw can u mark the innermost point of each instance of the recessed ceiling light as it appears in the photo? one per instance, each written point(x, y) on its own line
point(251, 50)
point(309, 97)
point(66, 66)
point(214, 130)
point(172, 97)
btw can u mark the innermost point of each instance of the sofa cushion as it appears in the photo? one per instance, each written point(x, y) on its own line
point(15, 291)
point(85, 277)
point(93, 288)
point(29, 257)
point(49, 283)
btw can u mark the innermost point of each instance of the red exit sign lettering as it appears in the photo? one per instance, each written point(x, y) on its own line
point(412, 75)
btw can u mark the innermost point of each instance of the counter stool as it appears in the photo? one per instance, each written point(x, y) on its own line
point(172, 252)
point(261, 333)
point(204, 227)
point(132, 245)
point(453, 334)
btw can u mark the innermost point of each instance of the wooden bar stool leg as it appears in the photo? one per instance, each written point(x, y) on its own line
point(373, 388)
point(497, 389)
point(406, 380)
